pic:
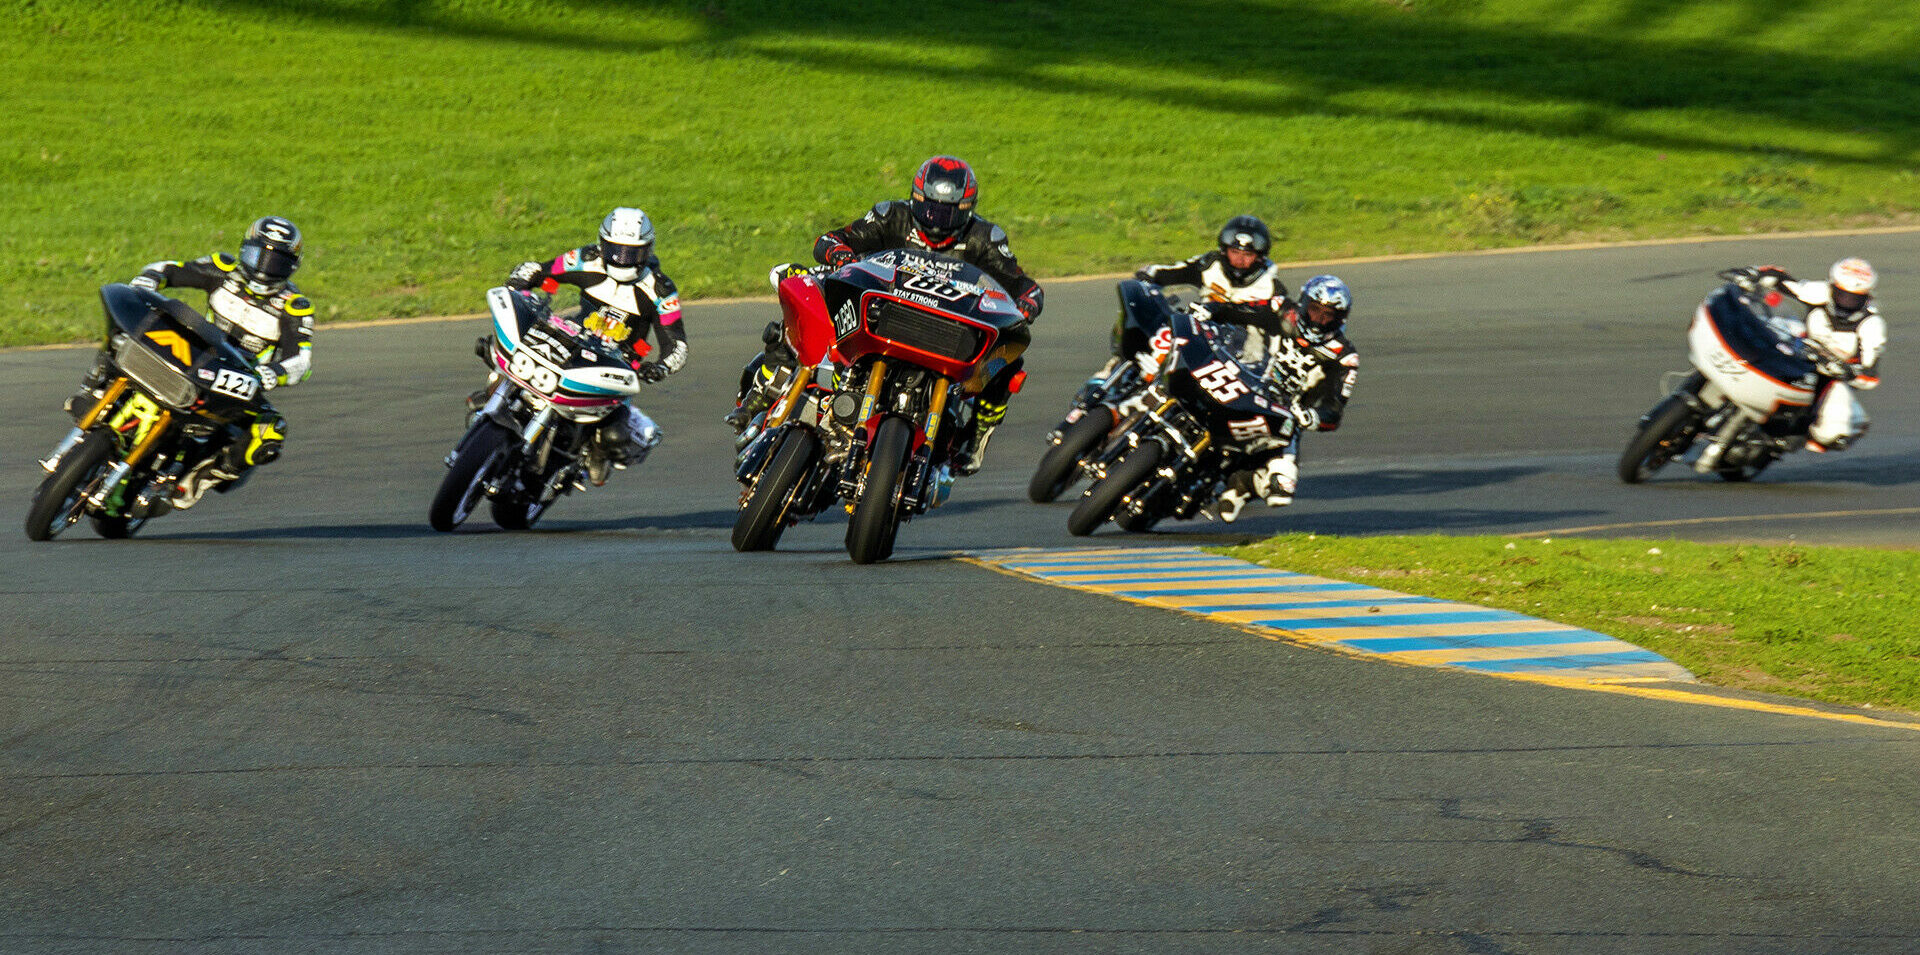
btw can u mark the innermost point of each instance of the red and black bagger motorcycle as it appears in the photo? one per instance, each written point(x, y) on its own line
point(889, 348)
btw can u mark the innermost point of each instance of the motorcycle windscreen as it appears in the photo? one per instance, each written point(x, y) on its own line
point(1749, 359)
point(804, 321)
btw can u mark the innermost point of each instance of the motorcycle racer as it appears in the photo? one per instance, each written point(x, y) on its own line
point(1843, 322)
point(623, 296)
point(1314, 364)
point(251, 300)
point(938, 217)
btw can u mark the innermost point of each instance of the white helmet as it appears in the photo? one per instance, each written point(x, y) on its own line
point(626, 239)
point(1850, 286)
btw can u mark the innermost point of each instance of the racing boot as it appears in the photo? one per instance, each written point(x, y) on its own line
point(1277, 481)
point(227, 468)
point(972, 452)
point(1227, 507)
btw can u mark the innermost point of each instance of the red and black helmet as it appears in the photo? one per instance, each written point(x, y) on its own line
point(944, 192)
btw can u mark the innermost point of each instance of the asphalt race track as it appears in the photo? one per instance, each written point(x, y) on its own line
point(295, 719)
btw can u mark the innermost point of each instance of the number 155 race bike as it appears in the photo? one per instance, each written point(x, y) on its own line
point(1750, 396)
point(888, 350)
point(175, 392)
point(1199, 416)
point(554, 382)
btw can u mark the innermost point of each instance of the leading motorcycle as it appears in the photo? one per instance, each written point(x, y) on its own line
point(1749, 396)
point(173, 391)
point(889, 348)
point(1198, 418)
point(553, 381)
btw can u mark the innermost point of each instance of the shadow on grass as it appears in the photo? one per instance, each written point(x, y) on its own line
point(1320, 56)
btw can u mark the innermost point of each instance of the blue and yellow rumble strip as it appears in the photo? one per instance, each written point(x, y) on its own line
point(1354, 618)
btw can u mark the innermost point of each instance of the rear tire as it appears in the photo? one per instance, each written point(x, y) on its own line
point(460, 491)
point(1060, 466)
point(764, 518)
point(876, 516)
point(61, 499)
point(1667, 435)
point(1100, 501)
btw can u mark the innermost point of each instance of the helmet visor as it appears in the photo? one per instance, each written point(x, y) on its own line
point(1322, 316)
point(941, 218)
point(263, 264)
point(622, 256)
point(1846, 303)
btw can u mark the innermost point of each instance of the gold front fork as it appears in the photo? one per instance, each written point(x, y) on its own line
point(937, 407)
point(876, 379)
point(112, 395)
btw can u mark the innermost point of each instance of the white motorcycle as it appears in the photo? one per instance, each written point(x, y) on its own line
point(1749, 398)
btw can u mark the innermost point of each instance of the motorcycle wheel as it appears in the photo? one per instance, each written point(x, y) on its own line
point(1668, 434)
point(764, 517)
point(61, 499)
point(117, 527)
point(876, 516)
point(518, 512)
point(460, 491)
point(1101, 499)
point(1060, 466)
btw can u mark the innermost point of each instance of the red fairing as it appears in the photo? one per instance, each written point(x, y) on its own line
point(808, 329)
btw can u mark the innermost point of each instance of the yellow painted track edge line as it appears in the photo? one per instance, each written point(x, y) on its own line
point(1627, 686)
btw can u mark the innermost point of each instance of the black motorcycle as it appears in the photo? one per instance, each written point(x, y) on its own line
point(1140, 332)
point(1171, 458)
point(171, 392)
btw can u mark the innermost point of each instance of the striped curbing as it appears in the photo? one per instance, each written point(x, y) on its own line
point(1349, 617)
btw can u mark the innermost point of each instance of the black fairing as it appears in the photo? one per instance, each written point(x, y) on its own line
point(139, 315)
point(1143, 312)
point(1758, 343)
point(1205, 348)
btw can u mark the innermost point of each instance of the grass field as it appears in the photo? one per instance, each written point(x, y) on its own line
point(1825, 623)
point(427, 145)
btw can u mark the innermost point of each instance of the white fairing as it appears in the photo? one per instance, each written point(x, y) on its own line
point(1746, 385)
point(544, 377)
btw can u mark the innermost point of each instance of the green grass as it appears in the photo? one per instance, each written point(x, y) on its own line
point(1824, 623)
point(427, 145)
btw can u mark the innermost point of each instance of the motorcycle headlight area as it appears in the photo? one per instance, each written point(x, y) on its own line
point(157, 376)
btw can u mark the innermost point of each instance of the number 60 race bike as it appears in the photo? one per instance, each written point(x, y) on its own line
point(888, 350)
point(1749, 398)
point(1197, 417)
point(554, 382)
point(175, 393)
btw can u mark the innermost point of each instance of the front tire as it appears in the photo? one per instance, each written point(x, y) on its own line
point(61, 499)
point(1103, 498)
point(764, 518)
point(1667, 435)
point(460, 491)
point(876, 516)
point(1061, 464)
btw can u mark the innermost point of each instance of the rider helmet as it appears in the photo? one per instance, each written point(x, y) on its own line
point(1324, 304)
point(1244, 243)
point(944, 192)
point(1850, 287)
point(626, 240)
point(269, 254)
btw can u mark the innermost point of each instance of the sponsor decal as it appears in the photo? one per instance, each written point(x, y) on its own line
point(845, 320)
